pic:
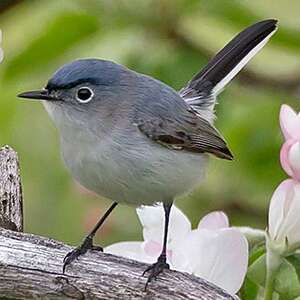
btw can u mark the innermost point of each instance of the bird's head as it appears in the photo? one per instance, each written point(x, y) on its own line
point(82, 88)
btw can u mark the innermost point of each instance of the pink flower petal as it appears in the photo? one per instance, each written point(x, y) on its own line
point(289, 122)
point(188, 253)
point(290, 225)
point(214, 220)
point(279, 207)
point(153, 249)
point(229, 265)
point(284, 157)
point(132, 250)
point(294, 159)
point(153, 218)
point(219, 256)
point(290, 158)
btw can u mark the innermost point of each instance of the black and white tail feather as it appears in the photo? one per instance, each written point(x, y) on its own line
point(201, 91)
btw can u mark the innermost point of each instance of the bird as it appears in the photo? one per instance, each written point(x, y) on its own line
point(133, 139)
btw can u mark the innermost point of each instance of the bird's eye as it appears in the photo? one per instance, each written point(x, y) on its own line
point(84, 95)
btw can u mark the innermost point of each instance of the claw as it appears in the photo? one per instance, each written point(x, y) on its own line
point(82, 249)
point(155, 270)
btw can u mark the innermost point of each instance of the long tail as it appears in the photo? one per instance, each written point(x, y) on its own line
point(202, 89)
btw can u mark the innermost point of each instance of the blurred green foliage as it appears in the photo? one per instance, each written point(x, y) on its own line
point(169, 40)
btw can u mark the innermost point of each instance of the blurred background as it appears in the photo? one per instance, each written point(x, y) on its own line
point(167, 39)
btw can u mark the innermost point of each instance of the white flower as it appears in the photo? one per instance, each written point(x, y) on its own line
point(1, 50)
point(284, 212)
point(152, 220)
point(213, 251)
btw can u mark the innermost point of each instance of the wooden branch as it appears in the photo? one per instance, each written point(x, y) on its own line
point(31, 266)
point(11, 202)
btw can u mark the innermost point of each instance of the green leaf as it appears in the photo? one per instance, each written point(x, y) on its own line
point(239, 15)
point(256, 253)
point(66, 30)
point(256, 271)
point(295, 261)
point(249, 290)
point(286, 284)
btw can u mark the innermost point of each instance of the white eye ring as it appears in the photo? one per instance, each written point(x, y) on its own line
point(84, 94)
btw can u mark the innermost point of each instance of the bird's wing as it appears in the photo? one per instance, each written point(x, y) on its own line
point(187, 132)
point(201, 91)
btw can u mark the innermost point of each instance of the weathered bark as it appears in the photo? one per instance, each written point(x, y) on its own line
point(31, 266)
point(11, 202)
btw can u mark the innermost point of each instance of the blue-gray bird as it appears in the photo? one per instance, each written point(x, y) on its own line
point(132, 138)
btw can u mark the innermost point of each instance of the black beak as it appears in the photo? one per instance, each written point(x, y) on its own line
point(37, 95)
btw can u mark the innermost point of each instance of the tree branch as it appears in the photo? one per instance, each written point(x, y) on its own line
point(11, 202)
point(31, 266)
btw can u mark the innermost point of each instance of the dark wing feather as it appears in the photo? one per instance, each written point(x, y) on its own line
point(191, 133)
point(202, 89)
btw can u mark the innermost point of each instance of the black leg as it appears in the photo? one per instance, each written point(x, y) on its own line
point(161, 263)
point(88, 241)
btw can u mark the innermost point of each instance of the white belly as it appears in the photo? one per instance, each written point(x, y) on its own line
point(140, 172)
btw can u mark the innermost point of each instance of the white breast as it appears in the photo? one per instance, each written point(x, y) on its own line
point(140, 173)
point(125, 166)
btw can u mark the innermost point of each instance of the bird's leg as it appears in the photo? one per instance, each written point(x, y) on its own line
point(161, 264)
point(87, 243)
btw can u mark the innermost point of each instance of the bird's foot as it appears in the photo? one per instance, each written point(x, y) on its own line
point(83, 248)
point(155, 269)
